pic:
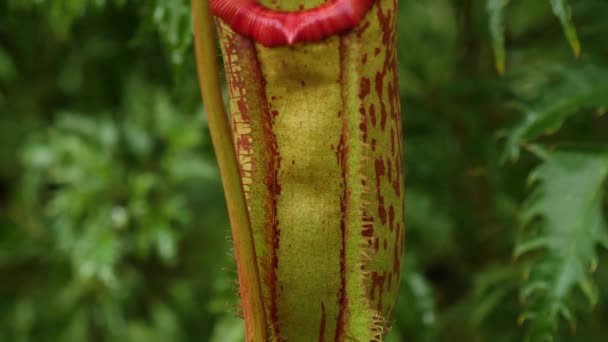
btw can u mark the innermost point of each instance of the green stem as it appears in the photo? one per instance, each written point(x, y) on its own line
point(221, 136)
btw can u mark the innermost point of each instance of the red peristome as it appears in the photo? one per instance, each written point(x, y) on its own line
point(272, 28)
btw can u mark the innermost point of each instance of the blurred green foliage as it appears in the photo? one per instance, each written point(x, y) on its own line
point(112, 220)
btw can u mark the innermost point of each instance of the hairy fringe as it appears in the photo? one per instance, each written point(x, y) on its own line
point(378, 322)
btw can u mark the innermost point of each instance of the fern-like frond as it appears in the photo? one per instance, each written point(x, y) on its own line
point(563, 12)
point(564, 224)
point(577, 88)
point(495, 10)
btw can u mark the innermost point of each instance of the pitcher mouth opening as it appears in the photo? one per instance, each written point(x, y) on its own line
point(277, 28)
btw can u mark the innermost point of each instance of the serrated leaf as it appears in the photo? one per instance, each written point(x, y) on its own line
point(99, 199)
point(495, 10)
point(531, 245)
point(590, 290)
point(562, 10)
point(492, 288)
point(576, 89)
point(532, 287)
point(566, 210)
point(566, 313)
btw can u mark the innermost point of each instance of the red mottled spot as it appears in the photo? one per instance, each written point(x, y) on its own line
point(276, 189)
point(380, 91)
point(377, 282)
point(363, 129)
point(399, 178)
point(243, 142)
point(391, 217)
point(363, 28)
point(385, 21)
point(379, 165)
point(373, 144)
point(365, 88)
point(396, 254)
point(244, 110)
point(382, 210)
point(398, 230)
point(397, 187)
point(322, 327)
point(393, 96)
point(372, 114)
point(362, 110)
point(392, 141)
point(368, 226)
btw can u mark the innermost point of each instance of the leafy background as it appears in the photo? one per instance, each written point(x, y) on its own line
point(112, 220)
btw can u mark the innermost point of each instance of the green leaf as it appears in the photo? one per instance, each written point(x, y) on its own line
point(495, 9)
point(417, 318)
point(62, 14)
point(562, 10)
point(8, 69)
point(173, 21)
point(575, 89)
point(492, 288)
point(229, 329)
point(117, 184)
point(564, 212)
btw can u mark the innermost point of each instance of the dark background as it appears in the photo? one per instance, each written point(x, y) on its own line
point(112, 220)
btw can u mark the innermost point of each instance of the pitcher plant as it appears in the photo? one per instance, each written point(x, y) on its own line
point(311, 161)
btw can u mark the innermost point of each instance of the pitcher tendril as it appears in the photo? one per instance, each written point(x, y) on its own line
point(249, 282)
